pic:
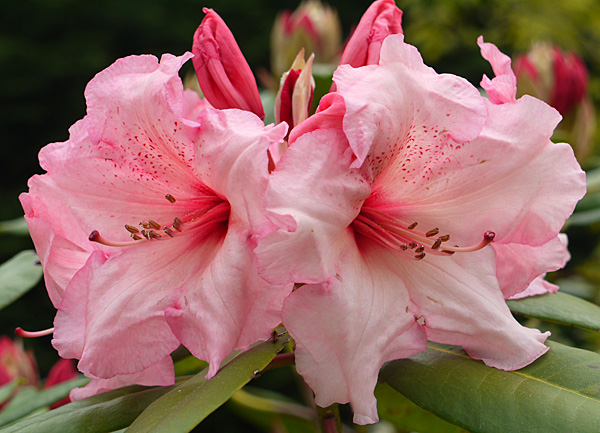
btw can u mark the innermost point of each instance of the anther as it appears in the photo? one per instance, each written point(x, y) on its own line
point(135, 237)
point(177, 224)
point(403, 247)
point(436, 244)
point(420, 249)
point(168, 231)
point(146, 234)
point(444, 238)
point(131, 229)
point(170, 198)
point(413, 225)
point(153, 225)
point(153, 235)
point(447, 252)
point(420, 256)
point(432, 232)
point(412, 245)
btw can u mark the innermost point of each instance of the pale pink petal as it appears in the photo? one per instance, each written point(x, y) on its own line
point(503, 87)
point(112, 314)
point(405, 107)
point(518, 265)
point(539, 286)
point(460, 303)
point(505, 181)
point(383, 18)
point(159, 374)
point(192, 105)
point(229, 307)
point(314, 185)
point(347, 328)
point(231, 151)
point(330, 112)
point(124, 157)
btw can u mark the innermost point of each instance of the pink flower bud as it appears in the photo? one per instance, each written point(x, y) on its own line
point(383, 18)
point(16, 363)
point(312, 26)
point(223, 73)
point(292, 104)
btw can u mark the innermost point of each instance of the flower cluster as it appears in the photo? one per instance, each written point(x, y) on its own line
point(406, 209)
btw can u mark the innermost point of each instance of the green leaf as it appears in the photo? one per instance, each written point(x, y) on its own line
point(559, 308)
point(189, 365)
point(407, 416)
point(17, 227)
point(18, 275)
point(560, 392)
point(101, 413)
point(272, 411)
point(6, 391)
point(30, 399)
point(186, 406)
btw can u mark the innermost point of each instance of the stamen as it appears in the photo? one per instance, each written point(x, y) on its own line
point(170, 198)
point(432, 232)
point(153, 235)
point(96, 237)
point(154, 225)
point(177, 224)
point(20, 332)
point(168, 231)
point(131, 229)
point(413, 225)
point(436, 244)
point(135, 237)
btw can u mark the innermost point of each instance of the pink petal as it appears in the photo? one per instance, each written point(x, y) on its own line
point(511, 180)
point(461, 304)
point(224, 75)
point(330, 112)
point(231, 150)
point(159, 374)
point(502, 88)
point(383, 18)
point(347, 328)
point(192, 105)
point(406, 101)
point(313, 185)
point(539, 286)
point(519, 265)
point(112, 314)
point(229, 307)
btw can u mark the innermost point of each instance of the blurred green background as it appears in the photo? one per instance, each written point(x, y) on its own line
point(50, 49)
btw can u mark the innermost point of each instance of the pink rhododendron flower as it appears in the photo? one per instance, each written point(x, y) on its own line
point(224, 75)
point(400, 201)
point(145, 232)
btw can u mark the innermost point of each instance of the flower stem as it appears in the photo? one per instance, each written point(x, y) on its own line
point(329, 419)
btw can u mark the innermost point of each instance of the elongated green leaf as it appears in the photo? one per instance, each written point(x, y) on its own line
point(186, 406)
point(17, 227)
point(17, 276)
point(559, 308)
point(6, 391)
point(560, 392)
point(272, 411)
point(102, 413)
point(29, 399)
point(407, 416)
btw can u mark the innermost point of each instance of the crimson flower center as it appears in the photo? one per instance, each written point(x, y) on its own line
point(405, 239)
point(200, 213)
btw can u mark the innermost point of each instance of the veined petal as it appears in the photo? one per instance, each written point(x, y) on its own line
point(231, 151)
point(503, 87)
point(539, 286)
point(511, 180)
point(313, 185)
point(112, 315)
point(159, 374)
point(229, 307)
point(403, 106)
point(347, 328)
point(518, 265)
point(461, 304)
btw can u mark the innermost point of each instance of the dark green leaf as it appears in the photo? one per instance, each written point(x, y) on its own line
point(559, 308)
point(6, 391)
point(186, 406)
point(407, 416)
point(189, 365)
point(29, 400)
point(272, 411)
point(17, 227)
point(17, 276)
point(102, 413)
point(560, 392)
